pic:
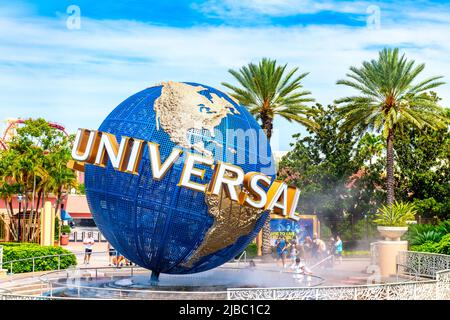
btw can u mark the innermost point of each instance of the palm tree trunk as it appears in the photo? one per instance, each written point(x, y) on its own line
point(24, 215)
point(37, 227)
point(15, 232)
point(58, 204)
point(29, 227)
point(267, 125)
point(390, 167)
point(9, 224)
point(58, 201)
point(39, 194)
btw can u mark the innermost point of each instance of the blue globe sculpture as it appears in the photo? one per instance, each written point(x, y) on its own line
point(157, 224)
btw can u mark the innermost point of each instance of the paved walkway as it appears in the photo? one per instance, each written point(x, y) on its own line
point(99, 257)
point(350, 272)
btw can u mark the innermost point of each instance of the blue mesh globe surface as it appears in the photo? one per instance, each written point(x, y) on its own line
point(157, 224)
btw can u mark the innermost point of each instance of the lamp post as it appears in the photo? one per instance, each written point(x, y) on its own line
point(19, 200)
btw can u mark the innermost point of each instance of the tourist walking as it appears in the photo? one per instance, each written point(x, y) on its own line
point(281, 248)
point(307, 248)
point(88, 243)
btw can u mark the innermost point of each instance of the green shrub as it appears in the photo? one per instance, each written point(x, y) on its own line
point(420, 233)
point(414, 232)
point(15, 244)
point(427, 236)
point(444, 227)
point(444, 245)
point(16, 251)
point(356, 253)
point(395, 215)
point(66, 229)
point(428, 246)
point(431, 207)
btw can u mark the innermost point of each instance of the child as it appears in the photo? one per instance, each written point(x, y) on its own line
point(300, 271)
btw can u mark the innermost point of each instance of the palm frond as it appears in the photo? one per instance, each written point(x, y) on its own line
point(267, 89)
point(388, 94)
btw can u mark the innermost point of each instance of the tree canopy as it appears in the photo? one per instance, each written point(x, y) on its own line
point(34, 165)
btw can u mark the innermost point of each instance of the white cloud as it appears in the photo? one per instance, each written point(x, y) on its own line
point(278, 8)
point(76, 77)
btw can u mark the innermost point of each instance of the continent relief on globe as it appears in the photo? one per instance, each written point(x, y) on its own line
point(231, 221)
point(176, 114)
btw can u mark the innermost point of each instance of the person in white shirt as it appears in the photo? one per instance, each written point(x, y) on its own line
point(88, 245)
point(321, 249)
point(300, 271)
point(293, 252)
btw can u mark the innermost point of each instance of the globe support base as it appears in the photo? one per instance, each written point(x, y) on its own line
point(154, 278)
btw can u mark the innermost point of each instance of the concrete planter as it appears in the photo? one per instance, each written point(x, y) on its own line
point(392, 233)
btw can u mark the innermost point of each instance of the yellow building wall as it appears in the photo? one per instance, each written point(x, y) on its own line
point(47, 225)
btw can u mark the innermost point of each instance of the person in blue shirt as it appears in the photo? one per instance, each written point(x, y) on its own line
point(281, 247)
point(338, 248)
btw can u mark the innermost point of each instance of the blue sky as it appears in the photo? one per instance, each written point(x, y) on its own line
point(75, 76)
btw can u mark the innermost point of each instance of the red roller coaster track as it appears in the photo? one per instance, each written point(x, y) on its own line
point(13, 123)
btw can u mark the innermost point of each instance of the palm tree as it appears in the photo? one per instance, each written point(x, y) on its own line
point(389, 98)
point(266, 90)
point(371, 146)
point(8, 190)
point(61, 179)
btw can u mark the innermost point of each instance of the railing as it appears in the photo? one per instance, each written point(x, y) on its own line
point(401, 270)
point(434, 266)
point(11, 263)
point(426, 264)
point(405, 290)
point(73, 278)
point(80, 234)
point(243, 255)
